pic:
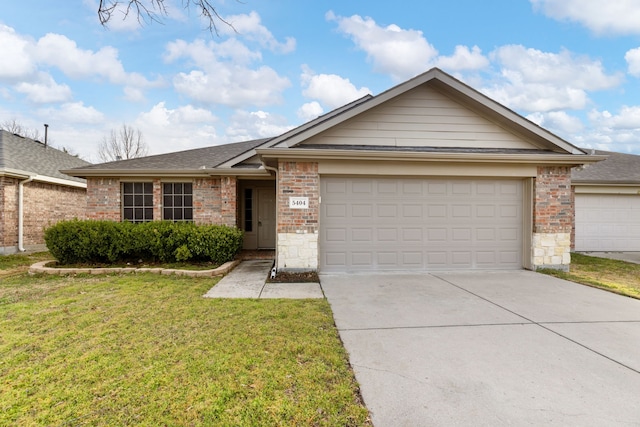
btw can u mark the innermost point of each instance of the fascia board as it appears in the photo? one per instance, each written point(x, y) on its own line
point(328, 154)
point(14, 173)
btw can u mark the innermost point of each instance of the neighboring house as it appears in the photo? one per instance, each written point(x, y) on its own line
point(33, 192)
point(429, 175)
point(607, 198)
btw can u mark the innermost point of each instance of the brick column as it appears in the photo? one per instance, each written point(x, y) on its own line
point(229, 200)
point(553, 217)
point(157, 200)
point(207, 201)
point(298, 228)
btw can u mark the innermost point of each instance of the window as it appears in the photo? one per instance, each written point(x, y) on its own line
point(137, 201)
point(177, 200)
point(248, 209)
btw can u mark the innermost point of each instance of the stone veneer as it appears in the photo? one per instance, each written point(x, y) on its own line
point(298, 228)
point(553, 217)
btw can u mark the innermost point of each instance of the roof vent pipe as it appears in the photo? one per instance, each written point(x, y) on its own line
point(46, 131)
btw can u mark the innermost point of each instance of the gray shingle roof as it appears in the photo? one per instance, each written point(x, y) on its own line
point(209, 157)
point(26, 155)
point(619, 168)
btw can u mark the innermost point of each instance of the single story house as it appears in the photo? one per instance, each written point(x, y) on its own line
point(34, 193)
point(607, 197)
point(428, 175)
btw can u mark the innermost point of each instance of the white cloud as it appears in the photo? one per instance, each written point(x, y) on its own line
point(627, 119)
point(73, 112)
point(16, 59)
point(310, 111)
point(246, 125)
point(331, 90)
point(463, 58)
point(599, 16)
point(558, 122)
point(250, 27)
point(181, 128)
point(633, 61)
point(532, 80)
point(392, 50)
point(63, 53)
point(44, 90)
point(224, 76)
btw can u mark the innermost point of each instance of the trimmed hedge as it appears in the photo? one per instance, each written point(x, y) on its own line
point(91, 241)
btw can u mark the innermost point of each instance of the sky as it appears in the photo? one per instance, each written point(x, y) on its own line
point(571, 66)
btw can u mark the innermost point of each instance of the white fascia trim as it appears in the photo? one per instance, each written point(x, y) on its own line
point(15, 173)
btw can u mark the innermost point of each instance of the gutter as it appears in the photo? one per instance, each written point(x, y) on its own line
point(275, 171)
point(21, 212)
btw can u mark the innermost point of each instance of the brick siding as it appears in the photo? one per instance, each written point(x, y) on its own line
point(553, 210)
point(214, 199)
point(44, 204)
point(298, 179)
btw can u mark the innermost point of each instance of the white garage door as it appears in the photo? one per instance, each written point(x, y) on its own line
point(369, 224)
point(607, 222)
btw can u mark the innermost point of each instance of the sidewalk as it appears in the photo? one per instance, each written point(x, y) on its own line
point(248, 280)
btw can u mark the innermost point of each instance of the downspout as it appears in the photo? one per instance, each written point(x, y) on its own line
point(21, 213)
point(275, 171)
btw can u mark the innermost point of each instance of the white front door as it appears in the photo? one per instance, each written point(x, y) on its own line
point(266, 218)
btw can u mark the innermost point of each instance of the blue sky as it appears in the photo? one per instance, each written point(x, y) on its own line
point(572, 66)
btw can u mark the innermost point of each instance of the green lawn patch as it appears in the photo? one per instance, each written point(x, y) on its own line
point(613, 275)
point(149, 350)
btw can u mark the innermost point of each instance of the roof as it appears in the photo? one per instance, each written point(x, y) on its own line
point(195, 159)
point(25, 157)
point(445, 83)
point(618, 168)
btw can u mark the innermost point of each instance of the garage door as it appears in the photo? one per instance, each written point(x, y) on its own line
point(607, 222)
point(373, 224)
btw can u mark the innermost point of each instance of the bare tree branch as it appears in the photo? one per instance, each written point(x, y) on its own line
point(155, 10)
point(15, 127)
point(124, 143)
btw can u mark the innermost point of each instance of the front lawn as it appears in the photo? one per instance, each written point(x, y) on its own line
point(149, 350)
point(617, 276)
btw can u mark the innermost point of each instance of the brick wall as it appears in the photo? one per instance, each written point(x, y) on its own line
point(553, 206)
point(207, 203)
point(44, 204)
point(103, 198)
point(214, 200)
point(229, 197)
point(298, 179)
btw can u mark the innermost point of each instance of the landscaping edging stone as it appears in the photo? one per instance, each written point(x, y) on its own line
point(40, 267)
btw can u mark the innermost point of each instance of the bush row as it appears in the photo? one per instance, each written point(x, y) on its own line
point(92, 241)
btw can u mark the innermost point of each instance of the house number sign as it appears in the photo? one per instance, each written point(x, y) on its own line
point(299, 202)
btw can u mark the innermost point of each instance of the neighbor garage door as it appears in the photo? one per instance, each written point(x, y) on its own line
point(607, 222)
point(369, 224)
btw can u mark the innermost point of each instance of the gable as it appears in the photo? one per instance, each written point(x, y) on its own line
point(422, 117)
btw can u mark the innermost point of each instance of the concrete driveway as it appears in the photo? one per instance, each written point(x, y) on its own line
point(490, 348)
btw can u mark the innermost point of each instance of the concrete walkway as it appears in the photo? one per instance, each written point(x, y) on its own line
point(248, 280)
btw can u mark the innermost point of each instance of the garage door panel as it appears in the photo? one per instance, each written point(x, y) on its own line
point(420, 224)
point(607, 222)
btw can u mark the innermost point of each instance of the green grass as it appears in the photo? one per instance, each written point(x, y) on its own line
point(21, 261)
point(616, 276)
point(149, 350)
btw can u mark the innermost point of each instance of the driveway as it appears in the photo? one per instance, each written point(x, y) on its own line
point(490, 348)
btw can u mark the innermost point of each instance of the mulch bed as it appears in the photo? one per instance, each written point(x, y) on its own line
point(289, 277)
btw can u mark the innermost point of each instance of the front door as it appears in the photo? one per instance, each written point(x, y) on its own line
point(266, 218)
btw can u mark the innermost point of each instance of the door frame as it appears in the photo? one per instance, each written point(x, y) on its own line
point(248, 211)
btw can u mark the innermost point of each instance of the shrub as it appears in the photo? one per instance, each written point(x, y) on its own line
point(94, 241)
